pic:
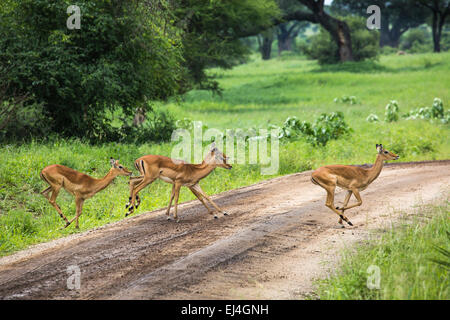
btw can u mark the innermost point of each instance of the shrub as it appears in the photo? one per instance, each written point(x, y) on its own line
point(413, 37)
point(157, 128)
point(346, 99)
point(372, 118)
point(391, 113)
point(18, 121)
point(436, 111)
point(365, 43)
point(326, 127)
point(386, 50)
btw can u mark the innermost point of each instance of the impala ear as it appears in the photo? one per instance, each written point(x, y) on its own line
point(213, 146)
point(112, 162)
point(379, 147)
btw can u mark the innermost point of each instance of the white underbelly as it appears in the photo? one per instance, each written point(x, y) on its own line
point(166, 179)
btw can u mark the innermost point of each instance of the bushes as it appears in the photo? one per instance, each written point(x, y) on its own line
point(19, 121)
point(119, 59)
point(417, 40)
point(326, 127)
point(391, 111)
point(365, 43)
point(436, 111)
point(346, 99)
point(158, 127)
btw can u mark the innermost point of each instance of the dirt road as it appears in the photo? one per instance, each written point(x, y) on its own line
point(278, 238)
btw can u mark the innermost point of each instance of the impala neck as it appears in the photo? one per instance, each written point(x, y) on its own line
point(105, 181)
point(374, 172)
point(204, 169)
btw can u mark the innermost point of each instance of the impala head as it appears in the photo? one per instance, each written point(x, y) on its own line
point(118, 168)
point(386, 155)
point(217, 157)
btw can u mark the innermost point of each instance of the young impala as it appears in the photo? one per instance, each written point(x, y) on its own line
point(178, 174)
point(78, 184)
point(352, 178)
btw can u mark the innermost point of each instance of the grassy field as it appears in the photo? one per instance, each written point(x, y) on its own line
point(255, 95)
point(411, 265)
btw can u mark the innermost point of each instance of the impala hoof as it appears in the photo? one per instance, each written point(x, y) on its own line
point(225, 213)
point(350, 223)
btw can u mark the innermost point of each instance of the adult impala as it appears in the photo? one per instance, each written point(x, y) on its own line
point(352, 178)
point(152, 167)
point(78, 184)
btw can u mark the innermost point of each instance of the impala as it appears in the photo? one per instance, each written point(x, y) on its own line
point(80, 185)
point(178, 174)
point(352, 178)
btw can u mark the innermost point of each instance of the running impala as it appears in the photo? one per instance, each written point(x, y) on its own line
point(152, 167)
point(352, 178)
point(78, 184)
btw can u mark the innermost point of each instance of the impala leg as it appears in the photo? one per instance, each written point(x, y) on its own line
point(52, 201)
point(79, 207)
point(45, 192)
point(204, 195)
point(200, 197)
point(177, 194)
point(347, 198)
point(133, 182)
point(172, 194)
point(358, 197)
point(330, 204)
point(145, 182)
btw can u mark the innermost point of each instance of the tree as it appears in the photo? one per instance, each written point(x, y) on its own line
point(314, 11)
point(127, 53)
point(212, 32)
point(365, 43)
point(124, 55)
point(265, 40)
point(286, 34)
point(440, 9)
point(397, 16)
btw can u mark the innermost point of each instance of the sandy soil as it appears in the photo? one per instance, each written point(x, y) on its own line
point(278, 238)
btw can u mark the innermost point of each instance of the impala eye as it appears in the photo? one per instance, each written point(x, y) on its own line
point(120, 167)
point(385, 152)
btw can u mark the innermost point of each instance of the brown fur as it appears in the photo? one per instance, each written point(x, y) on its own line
point(352, 178)
point(80, 185)
point(178, 173)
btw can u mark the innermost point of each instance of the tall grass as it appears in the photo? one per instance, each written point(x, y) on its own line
point(255, 95)
point(410, 258)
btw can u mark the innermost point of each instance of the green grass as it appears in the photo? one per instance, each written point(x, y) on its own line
point(255, 95)
point(406, 256)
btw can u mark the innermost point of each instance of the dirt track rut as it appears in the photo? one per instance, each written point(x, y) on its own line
point(268, 247)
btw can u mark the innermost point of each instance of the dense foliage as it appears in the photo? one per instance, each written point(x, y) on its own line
point(365, 43)
point(121, 57)
point(125, 55)
point(326, 127)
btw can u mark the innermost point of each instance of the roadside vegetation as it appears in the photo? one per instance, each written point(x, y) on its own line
point(259, 94)
point(413, 258)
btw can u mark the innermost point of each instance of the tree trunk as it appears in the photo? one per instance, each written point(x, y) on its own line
point(340, 32)
point(266, 45)
point(436, 33)
point(284, 44)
